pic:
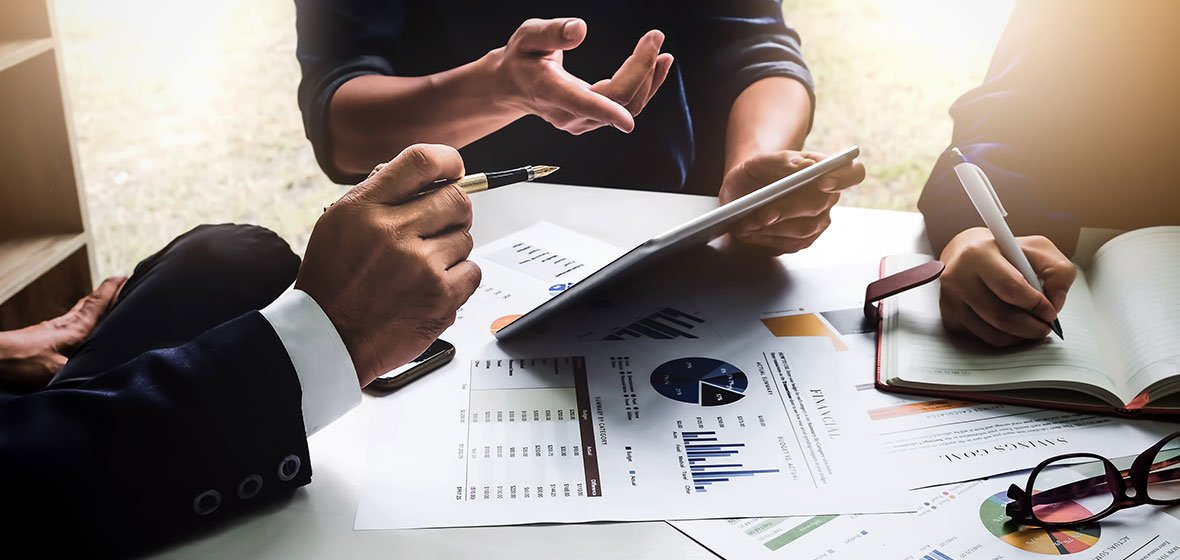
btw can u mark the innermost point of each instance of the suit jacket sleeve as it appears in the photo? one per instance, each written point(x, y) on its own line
point(160, 446)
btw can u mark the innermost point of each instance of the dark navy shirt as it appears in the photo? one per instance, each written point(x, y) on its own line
point(720, 48)
point(1076, 125)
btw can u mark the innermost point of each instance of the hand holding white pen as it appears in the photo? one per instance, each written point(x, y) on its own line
point(990, 288)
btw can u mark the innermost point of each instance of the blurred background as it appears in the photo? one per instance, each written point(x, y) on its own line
point(185, 111)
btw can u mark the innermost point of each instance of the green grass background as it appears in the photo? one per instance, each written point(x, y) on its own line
point(185, 113)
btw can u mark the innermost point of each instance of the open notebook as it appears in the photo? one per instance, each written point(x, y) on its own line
point(1121, 352)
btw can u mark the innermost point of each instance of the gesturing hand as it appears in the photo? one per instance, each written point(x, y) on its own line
point(389, 267)
point(30, 357)
point(981, 294)
point(535, 82)
point(795, 221)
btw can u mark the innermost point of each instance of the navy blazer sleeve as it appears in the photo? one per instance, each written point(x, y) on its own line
point(158, 447)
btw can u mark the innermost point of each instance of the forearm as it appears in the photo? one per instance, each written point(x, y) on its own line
point(372, 118)
point(771, 115)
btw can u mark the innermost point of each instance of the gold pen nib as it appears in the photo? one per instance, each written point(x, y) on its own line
point(543, 170)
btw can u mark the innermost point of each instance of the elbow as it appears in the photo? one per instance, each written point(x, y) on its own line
point(348, 157)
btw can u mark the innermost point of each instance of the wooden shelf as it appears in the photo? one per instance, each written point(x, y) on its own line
point(45, 247)
point(14, 52)
point(25, 259)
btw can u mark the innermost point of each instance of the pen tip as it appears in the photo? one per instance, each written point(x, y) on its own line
point(1056, 327)
point(544, 170)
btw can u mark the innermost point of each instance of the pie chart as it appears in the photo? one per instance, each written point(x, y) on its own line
point(1038, 539)
point(702, 381)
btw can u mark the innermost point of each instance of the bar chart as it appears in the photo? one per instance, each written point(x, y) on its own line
point(663, 324)
point(711, 462)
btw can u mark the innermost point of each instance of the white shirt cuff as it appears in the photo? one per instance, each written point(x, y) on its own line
point(322, 363)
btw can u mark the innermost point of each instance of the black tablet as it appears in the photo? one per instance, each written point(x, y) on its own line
point(698, 231)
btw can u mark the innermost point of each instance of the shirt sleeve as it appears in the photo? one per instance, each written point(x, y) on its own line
point(321, 361)
point(339, 40)
point(1010, 126)
point(737, 43)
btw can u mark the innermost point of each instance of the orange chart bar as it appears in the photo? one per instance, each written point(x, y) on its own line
point(804, 324)
point(916, 408)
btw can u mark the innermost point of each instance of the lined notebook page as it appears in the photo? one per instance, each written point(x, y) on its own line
point(924, 352)
point(1135, 279)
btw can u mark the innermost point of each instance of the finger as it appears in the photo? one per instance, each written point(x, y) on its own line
point(768, 168)
point(637, 71)
point(757, 172)
point(411, 172)
point(572, 123)
point(663, 66)
point(376, 168)
point(777, 244)
point(843, 177)
point(798, 228)
point(804, 203)
point(639, 100)
point(434, 213)
point(960, 319)
point(544, 35)
point(449, 248)
point(1002, 315)
point(465, 277)
point(1003, 280)
point(1056, 271)
point(574, 96)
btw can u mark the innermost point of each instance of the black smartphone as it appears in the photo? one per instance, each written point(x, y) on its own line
point(434, 357)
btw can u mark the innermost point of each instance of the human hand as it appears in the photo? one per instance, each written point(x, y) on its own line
point(30, 357)
point(389, 267)
point(533, 80)
point(981, 294)
point(795, 221)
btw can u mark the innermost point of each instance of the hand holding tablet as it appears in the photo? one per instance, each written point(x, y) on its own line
point(698, 231)
point(793, 222)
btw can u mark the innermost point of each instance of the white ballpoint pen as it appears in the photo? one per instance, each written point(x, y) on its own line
point(983, 196)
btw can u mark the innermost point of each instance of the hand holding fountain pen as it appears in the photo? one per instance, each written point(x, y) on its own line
point(983, 196)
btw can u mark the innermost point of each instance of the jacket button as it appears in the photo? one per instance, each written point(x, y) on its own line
point(289, 467)
point(249, 487)
point(206, 502)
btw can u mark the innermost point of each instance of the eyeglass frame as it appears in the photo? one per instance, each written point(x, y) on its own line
point(1020, 509)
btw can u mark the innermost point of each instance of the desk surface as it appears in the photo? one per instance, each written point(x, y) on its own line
point(317, 522)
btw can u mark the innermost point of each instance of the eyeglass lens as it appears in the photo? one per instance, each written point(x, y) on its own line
point(1163, 478)
point(1073, 490)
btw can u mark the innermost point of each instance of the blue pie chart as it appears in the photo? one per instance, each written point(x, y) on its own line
point(701, 381)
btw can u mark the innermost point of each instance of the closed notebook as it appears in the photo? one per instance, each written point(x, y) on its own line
point(1121, 353)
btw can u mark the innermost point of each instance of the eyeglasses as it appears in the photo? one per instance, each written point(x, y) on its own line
point(1079, 488)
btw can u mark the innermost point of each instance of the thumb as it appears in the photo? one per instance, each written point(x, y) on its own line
point(543, 35)
point(1056, 271)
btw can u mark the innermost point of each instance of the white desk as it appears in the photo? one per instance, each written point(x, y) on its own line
point(317, 523)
